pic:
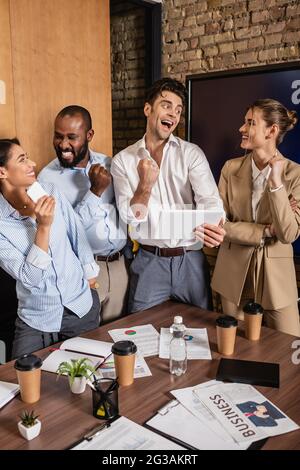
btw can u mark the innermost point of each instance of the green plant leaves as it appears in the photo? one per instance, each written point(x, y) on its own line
point(28, 418)
point(76, 368)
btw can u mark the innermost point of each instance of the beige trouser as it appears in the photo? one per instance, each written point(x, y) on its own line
point(112, 291)
point(285, 319)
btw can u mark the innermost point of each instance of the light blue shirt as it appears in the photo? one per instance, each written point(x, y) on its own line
point(105, 232)
point(47, 282)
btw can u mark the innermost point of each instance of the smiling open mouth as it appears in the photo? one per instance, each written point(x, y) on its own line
point(167, 123)
point(67, 155)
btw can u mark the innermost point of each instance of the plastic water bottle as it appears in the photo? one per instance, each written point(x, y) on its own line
point(178, 352)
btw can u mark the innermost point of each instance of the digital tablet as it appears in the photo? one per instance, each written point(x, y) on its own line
point(180, 224)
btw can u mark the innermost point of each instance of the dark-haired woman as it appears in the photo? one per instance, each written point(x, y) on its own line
point(261, 196)
point(43, 247)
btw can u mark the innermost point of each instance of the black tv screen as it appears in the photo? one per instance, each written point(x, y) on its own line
point(218, 102)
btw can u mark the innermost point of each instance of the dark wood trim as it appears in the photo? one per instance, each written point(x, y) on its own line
point(153, 17)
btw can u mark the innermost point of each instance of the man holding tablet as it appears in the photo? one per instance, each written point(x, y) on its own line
point(155, 178)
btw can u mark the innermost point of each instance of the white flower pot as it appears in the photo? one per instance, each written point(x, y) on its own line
point(30, 432)
point(78, 385)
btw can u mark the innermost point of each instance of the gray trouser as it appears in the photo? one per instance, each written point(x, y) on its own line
point(155, 279)
point(28, 339)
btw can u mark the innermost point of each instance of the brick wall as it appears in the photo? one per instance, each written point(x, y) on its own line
point(204, 36)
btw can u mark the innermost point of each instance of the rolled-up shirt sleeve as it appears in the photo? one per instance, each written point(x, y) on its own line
point(38, 257)
point(29, 269)
point(91, 270)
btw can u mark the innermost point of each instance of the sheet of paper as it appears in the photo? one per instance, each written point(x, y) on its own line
point(175, 420)
point(124, 434)
point(145, 337)
point(196, 341)
point(141, 369)
point(188, 398)
point(244, 412)
point(7, 392)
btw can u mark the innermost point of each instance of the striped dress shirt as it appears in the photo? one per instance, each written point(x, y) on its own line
point(47, 282)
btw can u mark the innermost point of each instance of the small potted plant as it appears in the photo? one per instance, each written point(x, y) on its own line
point(78, 371)
point(30, 425)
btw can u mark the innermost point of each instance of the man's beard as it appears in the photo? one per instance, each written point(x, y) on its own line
point(76, 158)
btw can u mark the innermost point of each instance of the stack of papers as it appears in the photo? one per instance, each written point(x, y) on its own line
point(7, 392)
point(215, 415)
point(244, 413)
point(196, 341)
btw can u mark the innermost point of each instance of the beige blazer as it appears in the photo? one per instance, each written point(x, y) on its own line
point(275, 280)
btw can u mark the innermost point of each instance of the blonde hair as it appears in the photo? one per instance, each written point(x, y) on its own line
point(275, 113)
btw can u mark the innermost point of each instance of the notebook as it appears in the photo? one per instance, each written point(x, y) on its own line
point(7, 392)
point(249, 372)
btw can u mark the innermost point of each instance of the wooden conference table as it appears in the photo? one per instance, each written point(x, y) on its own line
point(66, 417)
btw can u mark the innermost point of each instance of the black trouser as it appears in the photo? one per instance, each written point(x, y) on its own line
point(28, 339)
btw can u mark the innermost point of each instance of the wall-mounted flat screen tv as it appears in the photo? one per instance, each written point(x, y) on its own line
point(218, 102)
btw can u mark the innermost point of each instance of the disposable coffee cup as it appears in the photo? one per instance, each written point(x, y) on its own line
point(124, 356)
point(226, 333)
point(253, 314)
point(28, 369)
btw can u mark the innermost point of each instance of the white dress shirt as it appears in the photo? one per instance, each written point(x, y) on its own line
point(185, 181)
point(259, 182)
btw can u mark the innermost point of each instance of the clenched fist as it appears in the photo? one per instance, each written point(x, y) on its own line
point(100, 179)
point(148, 172)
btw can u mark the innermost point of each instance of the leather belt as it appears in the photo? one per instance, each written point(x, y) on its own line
point(114, 257)
point(166, 252)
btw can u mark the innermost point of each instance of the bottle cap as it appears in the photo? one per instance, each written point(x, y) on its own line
point(226, 321)
point(124, 348)
point(177, 319)
point(253, 308)
point(28, 362)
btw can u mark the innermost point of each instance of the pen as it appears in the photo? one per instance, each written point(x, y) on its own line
point(94, 432)
point(101, 363)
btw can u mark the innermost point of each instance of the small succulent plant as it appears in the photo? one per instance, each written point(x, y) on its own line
point(28, 418)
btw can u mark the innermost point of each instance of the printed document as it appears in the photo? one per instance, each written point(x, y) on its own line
point(176, 421)
point(245, 413)
point(124, 434)
point(196, 341)
point(145, 337)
